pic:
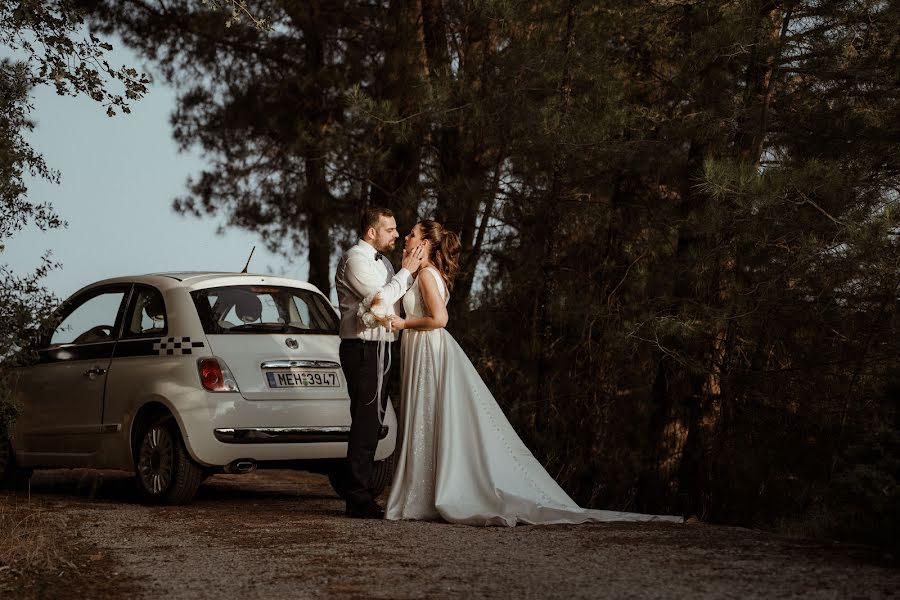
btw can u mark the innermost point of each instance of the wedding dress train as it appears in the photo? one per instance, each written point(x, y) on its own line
point(461, 460)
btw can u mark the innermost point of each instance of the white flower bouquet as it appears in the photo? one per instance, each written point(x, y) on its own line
point(373, 312)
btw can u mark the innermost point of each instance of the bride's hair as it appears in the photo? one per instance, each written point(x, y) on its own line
point(445, 249)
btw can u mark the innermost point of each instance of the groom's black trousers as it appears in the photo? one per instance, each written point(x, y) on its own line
point(359, 360)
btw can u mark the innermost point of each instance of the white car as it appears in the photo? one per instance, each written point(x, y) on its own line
point(176, 376)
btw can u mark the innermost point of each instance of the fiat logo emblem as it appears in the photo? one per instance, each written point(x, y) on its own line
point(292, 343)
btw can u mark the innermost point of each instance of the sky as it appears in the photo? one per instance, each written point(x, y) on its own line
point(119, 176)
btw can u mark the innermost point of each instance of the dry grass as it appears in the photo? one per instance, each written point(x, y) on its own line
point(33, 546)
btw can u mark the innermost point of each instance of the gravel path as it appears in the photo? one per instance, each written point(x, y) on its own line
point(281, 534)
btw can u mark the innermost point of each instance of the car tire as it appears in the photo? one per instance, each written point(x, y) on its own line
point(12, 476)
point(382, 474)
point(165, 472)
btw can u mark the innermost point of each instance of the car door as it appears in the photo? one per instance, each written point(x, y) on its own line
point(136, 361)
point(61, 394)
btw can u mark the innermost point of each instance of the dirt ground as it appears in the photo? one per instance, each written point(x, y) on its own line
point(282, 534)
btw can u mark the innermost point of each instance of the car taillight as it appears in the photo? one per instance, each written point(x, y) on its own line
point(215, 375)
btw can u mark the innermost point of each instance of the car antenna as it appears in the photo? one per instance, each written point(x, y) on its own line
point(248, 260)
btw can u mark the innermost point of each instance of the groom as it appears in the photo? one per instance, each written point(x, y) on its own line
point(361, 271)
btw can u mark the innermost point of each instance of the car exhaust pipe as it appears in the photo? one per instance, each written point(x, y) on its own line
point(241, 466)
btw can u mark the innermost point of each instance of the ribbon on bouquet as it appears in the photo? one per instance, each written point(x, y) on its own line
point(384, 346)
point(374, 315)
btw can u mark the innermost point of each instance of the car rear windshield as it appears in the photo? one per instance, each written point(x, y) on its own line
point(242, 309)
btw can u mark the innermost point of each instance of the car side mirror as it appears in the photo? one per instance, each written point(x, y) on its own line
point(34, 338)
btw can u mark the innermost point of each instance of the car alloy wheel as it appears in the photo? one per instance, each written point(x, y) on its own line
point(164, 470)
point(382, 473)
point(157, 459)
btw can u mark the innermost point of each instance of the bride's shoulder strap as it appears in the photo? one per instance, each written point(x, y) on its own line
point(440, 281)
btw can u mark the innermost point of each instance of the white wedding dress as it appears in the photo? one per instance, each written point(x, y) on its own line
point(461, 460)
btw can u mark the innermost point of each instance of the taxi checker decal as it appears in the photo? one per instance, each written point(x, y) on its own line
point(173, 345)
point(150, 347)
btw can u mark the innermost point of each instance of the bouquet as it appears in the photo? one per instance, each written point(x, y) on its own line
point(373, 312)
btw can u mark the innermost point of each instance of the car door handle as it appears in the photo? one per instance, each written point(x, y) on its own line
point(95, 371)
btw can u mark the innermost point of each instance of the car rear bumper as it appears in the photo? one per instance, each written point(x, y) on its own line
point(288, 435)
point(226, 427)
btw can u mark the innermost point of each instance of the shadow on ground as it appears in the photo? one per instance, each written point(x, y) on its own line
point(119, 486)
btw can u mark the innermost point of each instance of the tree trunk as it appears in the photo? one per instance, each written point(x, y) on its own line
point(463, 156)
point(461, 292)
point(395, 183)
point(772, 25)
point(317, 227)
point(548, 242)
point(315, 194)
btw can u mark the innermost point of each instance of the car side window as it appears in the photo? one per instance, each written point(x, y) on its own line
point(93, 320)
point(146, 314)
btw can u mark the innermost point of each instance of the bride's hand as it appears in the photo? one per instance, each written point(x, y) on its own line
point(397, 323)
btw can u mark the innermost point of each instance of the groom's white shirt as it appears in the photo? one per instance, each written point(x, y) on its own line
point(360, 274)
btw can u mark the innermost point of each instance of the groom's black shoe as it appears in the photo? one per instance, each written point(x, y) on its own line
point(366, 510)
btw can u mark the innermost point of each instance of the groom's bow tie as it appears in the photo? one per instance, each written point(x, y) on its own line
point(378, 256)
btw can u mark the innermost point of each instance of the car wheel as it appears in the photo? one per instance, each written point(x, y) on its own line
point(164, 470)
point(12, 476)
point(382, 475)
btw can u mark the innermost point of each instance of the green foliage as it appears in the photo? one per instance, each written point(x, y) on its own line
point(46, 39)
point(47, 35)
point(861, 501)
point(17, 157)
point(25, 305)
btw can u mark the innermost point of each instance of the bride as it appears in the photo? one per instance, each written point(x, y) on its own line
point(461, 460)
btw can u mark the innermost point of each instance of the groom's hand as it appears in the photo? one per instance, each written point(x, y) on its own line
point(413, 260)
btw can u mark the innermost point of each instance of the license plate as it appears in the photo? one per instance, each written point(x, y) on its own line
point(288, 379)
